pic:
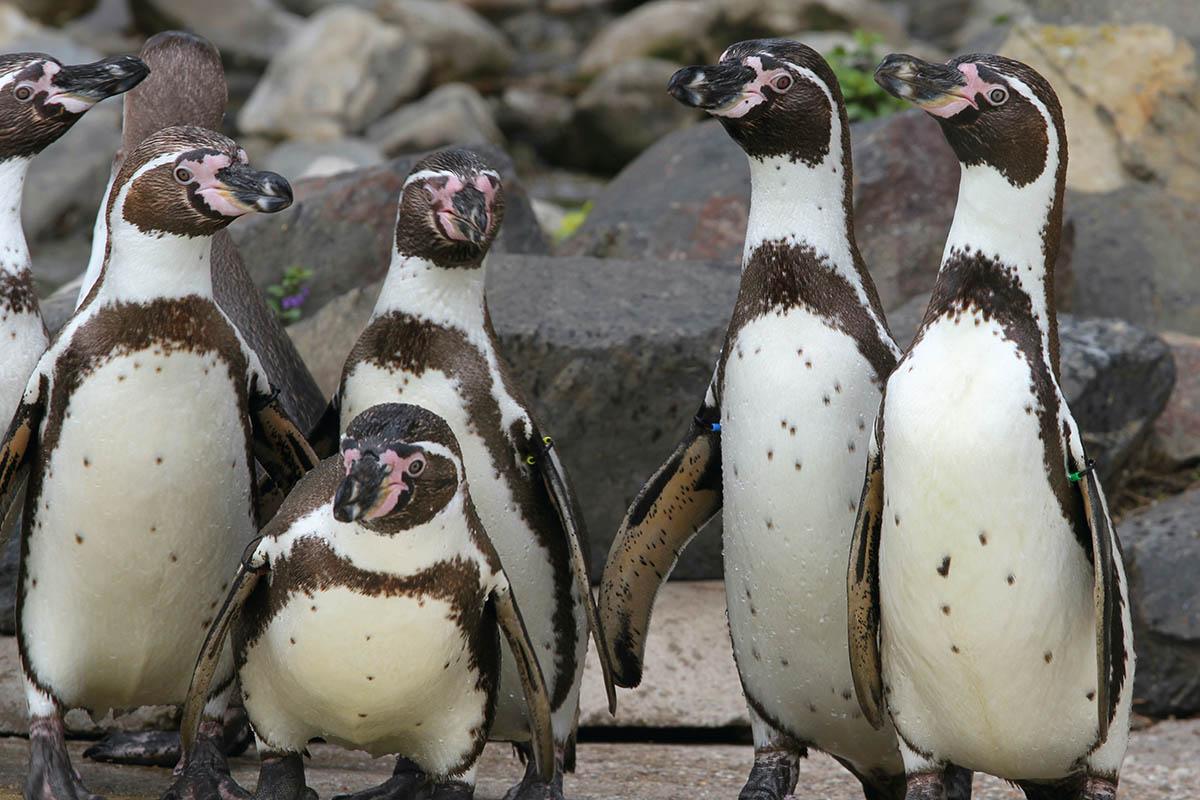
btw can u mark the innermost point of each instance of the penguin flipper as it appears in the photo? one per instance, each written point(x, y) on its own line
point(671, 508)
point(214, 644)
point(278, 444)
point(19, 444)
point(537, 699)
point(862, 585)
point(1104, 591)
point(324, 434)
point(554, 476)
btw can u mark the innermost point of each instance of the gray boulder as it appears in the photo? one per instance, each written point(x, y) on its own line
point(295, 160)
point(56, 12)
point(1176, 439)
point(453, 113)
point(461, 43)
point(246, 31)
point(1162, 558)
point(675, 29)
point(342, 70)
point(341, 227)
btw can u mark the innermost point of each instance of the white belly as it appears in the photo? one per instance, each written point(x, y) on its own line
point(794, 433)
point(381, 674)
point(993, 665)
point(144, 512)
point(22, 340)
point(528, 568)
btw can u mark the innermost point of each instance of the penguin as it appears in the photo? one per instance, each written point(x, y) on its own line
point(138, 429)
point(778, 443)
point(40, 99)
point(187, 87)
point(430, 342)
point(988, 606)
point(367, 614)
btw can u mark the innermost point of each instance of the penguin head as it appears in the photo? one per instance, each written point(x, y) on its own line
point(41, 98)
point(775, 97)
point(190, 181)
point(402, 465)
point(993, 110)
point(450, 210)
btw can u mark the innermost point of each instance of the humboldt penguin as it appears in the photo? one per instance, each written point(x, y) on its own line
point(139, 429)
point(778, 443)
point(430, 342)
point(988, 605)
point(368, 614)
point(187, 87)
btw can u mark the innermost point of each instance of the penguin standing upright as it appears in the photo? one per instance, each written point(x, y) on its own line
point(40, 99)
point(139, 428)
point(430, 342)
point(778, 442)
point(367, 615)
point(988, 606)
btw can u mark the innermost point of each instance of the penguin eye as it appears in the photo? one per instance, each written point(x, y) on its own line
point(23, 92)
point(781, 83)
point(998, 96)
point(430, 194)
point(416, 466)
point(183, 175)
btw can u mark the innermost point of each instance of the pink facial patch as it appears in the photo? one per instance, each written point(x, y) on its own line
point(441, 191)
point(396, 485)
point(951, 104)
point(56, 96)
point(211, 188)
point(752, 93)
point(349, 457)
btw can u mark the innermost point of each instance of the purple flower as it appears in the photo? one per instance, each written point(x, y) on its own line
point(295, 300)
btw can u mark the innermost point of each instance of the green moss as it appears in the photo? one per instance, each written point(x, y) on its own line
point(571, 221)
point(855, 69)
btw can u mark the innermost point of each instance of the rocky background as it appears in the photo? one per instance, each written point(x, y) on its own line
point(613, 317)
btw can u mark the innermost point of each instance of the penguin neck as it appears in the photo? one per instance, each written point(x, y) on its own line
point(795, 204)
point(143, 266)
point(1013, 232)
point(446, 296)
point(14, 252)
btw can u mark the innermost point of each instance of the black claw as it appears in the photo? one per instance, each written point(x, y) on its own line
point(206, 776)
point(532, 788)
point(773, 776)
point(145, 748)
point(408, 782)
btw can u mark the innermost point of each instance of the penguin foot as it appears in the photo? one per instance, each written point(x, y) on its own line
point(161, 748)
point(531, 786)
point(453, 790)
point(205, 772)
point(51, 776)
point(1097, 787)
point(405, 784)
point(958, 782)
point(281, 777)
point(773, 776)
point(926, 786)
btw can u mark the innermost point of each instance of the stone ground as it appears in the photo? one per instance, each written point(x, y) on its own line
point(1163, 762)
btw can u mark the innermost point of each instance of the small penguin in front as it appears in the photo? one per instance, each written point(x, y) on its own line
point(430, 342)
point(138, 430)
point(40, 99)
point(988, 604)
point(778, 443)
point(368, 614)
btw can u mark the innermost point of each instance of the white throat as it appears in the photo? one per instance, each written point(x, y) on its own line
point(445, 296)
point(14, 252)
point(142, 267)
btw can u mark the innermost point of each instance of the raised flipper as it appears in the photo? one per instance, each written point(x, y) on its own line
point(1104, 587)
point(862, 585)
point(532, 682)
point(565, 505)
point(252, 568)
point(678, 500)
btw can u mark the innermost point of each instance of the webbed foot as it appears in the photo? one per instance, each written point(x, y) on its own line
point(531, 786)
point(773, 776)
point(926, 786)
point(205, 773)
point(161, 748)
point(405, 784)
point(51, 776)
point(281, 777)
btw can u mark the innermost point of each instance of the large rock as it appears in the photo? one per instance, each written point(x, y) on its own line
point(341, 71)
point(453, 113)
point(247, 31)
point(1182, 15)
point(341, 227)
point(674, 29)
point(764, 18)
point(621, 113)
point(1162, 557)
point(1176, 438)
point(295, 160)
point(461, 43)
point(1135, 257)
point(56, 12)
point(1135, 123)
point(19, 33)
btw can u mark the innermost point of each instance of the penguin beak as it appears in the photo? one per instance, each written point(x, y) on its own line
point(723, 90)
point(79, 87)
point(245, 190)
point(469, 216)
point(365, 491)
point(939, 89)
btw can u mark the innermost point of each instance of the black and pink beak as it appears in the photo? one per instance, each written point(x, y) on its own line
point(939, 89)
point(376, 484)
point(711, 88)
point(78, 87)
point(465, 210)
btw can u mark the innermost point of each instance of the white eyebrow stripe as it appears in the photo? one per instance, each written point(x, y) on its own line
point(426, 174)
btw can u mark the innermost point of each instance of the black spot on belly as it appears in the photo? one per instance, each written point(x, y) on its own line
point(798, 466)
point(946, 610)
point(896, 518)
point(86, 463)
point(944, 569)
point(847, 694)
point(78, 539)
point(953, 648)
point(1011, 579)
point(1091, 695)
point(983, 538)
point(1049, 656)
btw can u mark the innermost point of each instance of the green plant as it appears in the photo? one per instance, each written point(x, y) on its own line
point(855, 69)
point(286, 297)
point(571, 221)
